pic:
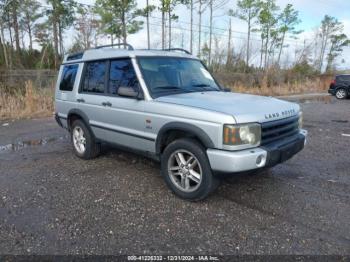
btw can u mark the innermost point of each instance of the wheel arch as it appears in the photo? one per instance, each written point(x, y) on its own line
point(78, 114)
point(186, 129)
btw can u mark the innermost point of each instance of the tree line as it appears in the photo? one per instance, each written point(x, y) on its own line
point(28, 23)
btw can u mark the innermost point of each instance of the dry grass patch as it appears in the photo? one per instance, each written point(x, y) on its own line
point(308, 86)
point(26, 103)
point(274, 85)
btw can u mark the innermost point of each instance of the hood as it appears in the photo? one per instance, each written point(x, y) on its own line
point(243, 107)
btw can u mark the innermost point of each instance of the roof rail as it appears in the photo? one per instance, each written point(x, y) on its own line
point(75, 56)
point(130, 47)
point(168, 49)
point(178, 49)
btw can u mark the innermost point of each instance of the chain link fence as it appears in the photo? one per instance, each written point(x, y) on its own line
point(15, 79)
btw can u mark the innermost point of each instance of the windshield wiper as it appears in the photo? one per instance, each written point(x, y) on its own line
point(167, 88)
point(201, 85)
point(205, 87)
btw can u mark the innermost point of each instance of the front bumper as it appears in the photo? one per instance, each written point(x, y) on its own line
point(331, 91)
point(250, 159)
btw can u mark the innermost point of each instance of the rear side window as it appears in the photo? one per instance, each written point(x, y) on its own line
point(68, 77)
point(94, 80)
point(121, 74)
point(343, 78)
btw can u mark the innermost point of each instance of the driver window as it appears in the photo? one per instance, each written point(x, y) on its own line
point(121, 74)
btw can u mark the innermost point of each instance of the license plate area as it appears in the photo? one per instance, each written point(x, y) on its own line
point(290, 150)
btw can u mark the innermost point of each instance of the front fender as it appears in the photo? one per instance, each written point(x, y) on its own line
point(185, 127)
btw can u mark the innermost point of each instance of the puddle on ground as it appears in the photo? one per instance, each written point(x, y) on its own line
point(325, 99)
point(341, 121)
point(28, 143)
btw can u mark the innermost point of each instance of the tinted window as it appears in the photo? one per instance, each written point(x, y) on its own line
point(68, 77)
point(343, 78)
point(95, 77)
point(121, 74)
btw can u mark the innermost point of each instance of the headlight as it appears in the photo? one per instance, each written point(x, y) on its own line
point(246, 134)
point(300, 121)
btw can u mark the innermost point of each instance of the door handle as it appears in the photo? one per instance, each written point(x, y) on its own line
point(80, 100)
point(107, 103)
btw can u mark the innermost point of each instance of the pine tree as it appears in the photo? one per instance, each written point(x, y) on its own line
point(248, 11)
point(119, 18)
point(30, 14)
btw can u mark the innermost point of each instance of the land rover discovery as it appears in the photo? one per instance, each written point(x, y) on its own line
point(167, 105)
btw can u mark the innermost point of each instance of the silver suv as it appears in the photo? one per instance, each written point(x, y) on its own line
point(167, 105)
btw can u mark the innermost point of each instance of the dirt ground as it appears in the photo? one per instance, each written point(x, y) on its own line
point(51, 202)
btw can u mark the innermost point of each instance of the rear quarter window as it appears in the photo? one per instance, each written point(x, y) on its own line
point(68, 77)
point(344, 78)
point(94, 79)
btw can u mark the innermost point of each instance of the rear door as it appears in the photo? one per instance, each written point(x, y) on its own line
point(92, 92)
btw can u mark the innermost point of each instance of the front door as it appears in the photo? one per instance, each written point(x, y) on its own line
point(122, 120)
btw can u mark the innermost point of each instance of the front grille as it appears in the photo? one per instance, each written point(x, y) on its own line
point(276, 130)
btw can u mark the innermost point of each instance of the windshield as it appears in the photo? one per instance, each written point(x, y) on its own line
point(170, 75)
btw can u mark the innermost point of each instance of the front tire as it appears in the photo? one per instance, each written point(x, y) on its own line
point(341, 93)
point(186, 170)
point(83, 141)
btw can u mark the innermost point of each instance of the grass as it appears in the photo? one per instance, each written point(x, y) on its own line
point(27, 102)
point(308, 86)
point(275, 84)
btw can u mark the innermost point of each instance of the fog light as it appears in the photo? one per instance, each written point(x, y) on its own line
point(260, 160)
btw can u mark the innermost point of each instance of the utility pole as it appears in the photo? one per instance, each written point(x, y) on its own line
point(191, 33)
point(163, 24)
point(147, 18)
point(210, 29)
point(229, 48)
point(199, 28)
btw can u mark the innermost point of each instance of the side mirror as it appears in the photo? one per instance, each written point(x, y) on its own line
point(128, 92)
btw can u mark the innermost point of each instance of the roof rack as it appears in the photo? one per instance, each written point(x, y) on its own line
point(168, 49)
point(178, 49)
point(130, 47)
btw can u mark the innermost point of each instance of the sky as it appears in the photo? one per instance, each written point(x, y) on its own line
point(311, 13)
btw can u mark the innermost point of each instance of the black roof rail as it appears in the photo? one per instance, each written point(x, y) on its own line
point(178, 49)
point(75, 56)
point(130, 47)
point(168, 49)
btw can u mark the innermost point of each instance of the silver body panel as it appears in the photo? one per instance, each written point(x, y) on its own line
point(244, 108)
point(244, 160)
point(136, 123)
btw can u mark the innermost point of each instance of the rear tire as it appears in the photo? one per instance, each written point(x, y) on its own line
point(186, 170)
point(341, 93)
point(83, 141)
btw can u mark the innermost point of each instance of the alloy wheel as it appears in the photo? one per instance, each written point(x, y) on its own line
point(341, 94)
point(185, 170)
point(79, 140)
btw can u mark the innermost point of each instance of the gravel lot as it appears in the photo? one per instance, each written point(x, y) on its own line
point(51, 202)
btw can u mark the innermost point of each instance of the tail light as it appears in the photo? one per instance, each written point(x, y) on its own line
point(333, 82)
